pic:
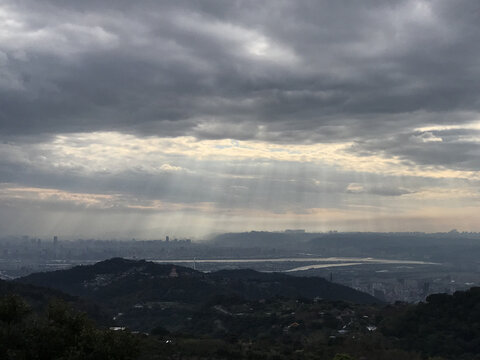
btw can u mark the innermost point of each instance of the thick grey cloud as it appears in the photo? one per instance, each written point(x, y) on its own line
point(457, 149)
point(279, 71)
point(383, 94)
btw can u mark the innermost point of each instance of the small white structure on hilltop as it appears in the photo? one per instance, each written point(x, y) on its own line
point(173, 273)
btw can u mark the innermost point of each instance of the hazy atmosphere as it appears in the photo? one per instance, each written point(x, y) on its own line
point(126, 119)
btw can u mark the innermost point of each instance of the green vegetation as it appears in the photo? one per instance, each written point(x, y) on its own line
point(445, 325)
point(225, 324)
point(123, 282)
point(59, 333)
point(277, 329)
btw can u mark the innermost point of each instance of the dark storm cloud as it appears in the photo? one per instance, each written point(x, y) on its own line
point(305, 71)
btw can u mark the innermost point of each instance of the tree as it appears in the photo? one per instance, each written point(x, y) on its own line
point(62, 333)
point(342, 357)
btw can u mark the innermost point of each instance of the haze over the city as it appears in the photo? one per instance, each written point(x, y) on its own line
point(140, 119)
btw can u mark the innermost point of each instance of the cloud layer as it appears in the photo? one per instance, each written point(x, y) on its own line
point(281, 107)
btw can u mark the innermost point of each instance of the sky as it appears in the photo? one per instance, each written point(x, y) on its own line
point(142, 119)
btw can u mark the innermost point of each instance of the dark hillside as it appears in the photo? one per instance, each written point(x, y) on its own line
point(120, 281)
point(141, 294)
point(445, 325)
point(254, 285)
point(40, 297)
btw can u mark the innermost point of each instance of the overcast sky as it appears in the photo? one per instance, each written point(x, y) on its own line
point(148, 118)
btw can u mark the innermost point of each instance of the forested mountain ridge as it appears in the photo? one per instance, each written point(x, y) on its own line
point(446, 325)
point(228, 325)
point(38, 298)
point(125, 281)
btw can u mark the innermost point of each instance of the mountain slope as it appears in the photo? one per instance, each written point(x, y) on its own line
point(125, 282)
point(39, 297)
point(445, 325)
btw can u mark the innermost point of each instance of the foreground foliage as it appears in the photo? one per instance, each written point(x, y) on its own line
point(60, 333)
point(444, 327)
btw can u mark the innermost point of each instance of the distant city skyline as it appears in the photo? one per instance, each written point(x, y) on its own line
point(122, 119)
